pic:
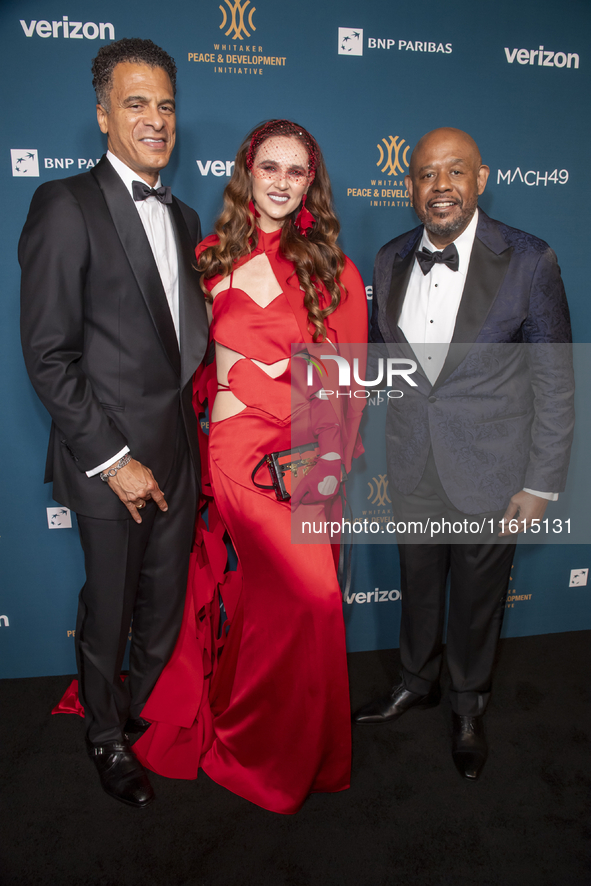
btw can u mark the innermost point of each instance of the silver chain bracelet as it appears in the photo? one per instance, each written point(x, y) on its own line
point(105, 475)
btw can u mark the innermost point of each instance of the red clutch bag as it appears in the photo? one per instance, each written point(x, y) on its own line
point(286, 468)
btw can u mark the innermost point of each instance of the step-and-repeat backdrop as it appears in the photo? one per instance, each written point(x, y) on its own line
point(367, 79)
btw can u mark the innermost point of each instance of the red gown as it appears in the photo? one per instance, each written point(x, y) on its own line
point(276, 725)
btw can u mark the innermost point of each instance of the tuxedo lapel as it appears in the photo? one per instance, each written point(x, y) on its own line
point(192, 313)
point(489, 261)
point(139, 254)
point(401, 270)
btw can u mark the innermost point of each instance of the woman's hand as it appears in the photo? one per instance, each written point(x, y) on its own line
point(321, 483)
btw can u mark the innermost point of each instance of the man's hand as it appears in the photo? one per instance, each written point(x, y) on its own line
point(523, 506)
point(134, 485)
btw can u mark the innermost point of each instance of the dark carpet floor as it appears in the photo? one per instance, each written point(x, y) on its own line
point(408, 819)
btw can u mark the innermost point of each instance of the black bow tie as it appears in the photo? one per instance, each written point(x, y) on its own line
point(141, 191)
point(448, 257)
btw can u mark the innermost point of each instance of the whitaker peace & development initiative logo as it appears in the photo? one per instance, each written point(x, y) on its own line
point(237, 29)
point(237, 56)
point(378, 509)
point(378, 491)
point(393, 161)
point(391, 156)
point(24, 163)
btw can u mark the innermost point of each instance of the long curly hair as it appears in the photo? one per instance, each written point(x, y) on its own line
point(317, 259)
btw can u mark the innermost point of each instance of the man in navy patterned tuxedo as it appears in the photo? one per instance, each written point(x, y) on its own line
point(484, 436)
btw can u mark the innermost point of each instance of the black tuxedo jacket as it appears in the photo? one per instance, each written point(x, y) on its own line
point(98, 338)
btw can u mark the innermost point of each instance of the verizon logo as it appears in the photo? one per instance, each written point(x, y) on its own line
point(216, 167)
point(69, 30)
point(543, 58)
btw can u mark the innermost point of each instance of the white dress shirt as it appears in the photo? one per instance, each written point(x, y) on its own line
point(430, 308)
point(155, 218)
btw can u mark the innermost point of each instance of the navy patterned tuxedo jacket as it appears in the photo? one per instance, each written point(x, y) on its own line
point(500, 415)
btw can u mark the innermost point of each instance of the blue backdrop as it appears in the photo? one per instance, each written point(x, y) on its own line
point(368, 80)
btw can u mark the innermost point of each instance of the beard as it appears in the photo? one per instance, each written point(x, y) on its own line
point(445, 227)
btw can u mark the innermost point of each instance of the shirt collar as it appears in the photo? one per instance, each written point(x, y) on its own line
point(126, 174)
point(463, 244)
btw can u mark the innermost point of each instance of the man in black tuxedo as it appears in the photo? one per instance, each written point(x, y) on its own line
point(113, 328)
point(484, 435)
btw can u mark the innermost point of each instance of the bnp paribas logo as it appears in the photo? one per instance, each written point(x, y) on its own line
point(393, 159)
point(350, 41)
point(378, 491)
point(237, 17)
point(59, 518)
point(25, 163)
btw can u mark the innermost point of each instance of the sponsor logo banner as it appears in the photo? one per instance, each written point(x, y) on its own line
point(578, 578)
point(350, 41)
point(375, 596)
point(409, 45)
point(532, 178)
point(543, 58)
point(68, 162)
point(378, 491)
point(68, 30)
point(59, 518)
point(384, 185)
point(216, 167)
point(241, 53)
point(25, 163)
point(237, 24)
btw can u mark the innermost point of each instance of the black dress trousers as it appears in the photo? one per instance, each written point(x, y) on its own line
point(479, 576)
point(136, 575)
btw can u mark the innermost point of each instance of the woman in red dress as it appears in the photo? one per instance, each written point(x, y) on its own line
point(275, 726)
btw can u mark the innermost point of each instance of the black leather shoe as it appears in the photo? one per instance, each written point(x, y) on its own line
point(122, 775)
point(136, 725)
point(397, 702)
point(469, 749)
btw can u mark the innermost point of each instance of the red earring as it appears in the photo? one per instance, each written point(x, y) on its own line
point(305, 220)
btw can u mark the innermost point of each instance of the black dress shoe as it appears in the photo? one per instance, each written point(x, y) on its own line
point(121, 773)
point(396, 703)
point(136, 725)
point(469, 749)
